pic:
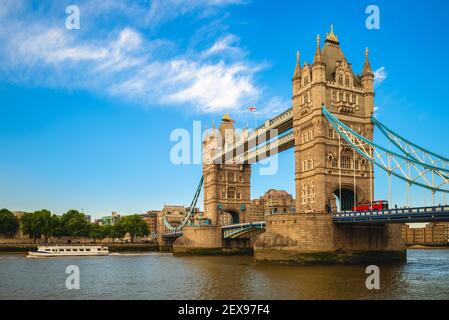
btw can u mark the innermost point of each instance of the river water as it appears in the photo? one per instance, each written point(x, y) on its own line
point(162, 276)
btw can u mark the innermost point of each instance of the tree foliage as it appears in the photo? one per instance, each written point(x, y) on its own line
point(38, 224)
point(9, 224)
point(134, 225)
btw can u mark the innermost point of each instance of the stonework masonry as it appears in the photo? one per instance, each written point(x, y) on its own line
point(329, 175)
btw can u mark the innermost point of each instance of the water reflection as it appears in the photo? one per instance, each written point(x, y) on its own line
point(161, 276)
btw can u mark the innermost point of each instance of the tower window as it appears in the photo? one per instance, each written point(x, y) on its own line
point(347, 81)
point(346, 162)
point(340, 80)
point(334, 96)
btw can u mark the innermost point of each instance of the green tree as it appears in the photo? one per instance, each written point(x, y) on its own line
point(37, 224)
point(74, 224)
point(96, 232)
point(134, 225)
point(9, 224)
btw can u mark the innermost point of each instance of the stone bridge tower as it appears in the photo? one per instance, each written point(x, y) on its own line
point(326, 167)
point(227, 185)
point(322, 179)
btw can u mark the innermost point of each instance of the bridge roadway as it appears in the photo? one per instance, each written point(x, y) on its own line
point(229, 232)
point(396, 215)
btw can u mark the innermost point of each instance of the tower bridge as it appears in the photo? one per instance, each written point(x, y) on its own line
point(330, 127)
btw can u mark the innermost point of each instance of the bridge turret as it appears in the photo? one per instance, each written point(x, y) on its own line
point(297, 75)
point(368, 85)
point(324, 170)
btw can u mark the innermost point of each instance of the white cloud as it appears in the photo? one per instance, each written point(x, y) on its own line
point(125, 63)
point(380, 75)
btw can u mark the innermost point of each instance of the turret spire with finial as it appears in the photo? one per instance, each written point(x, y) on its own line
point(317, 58)
point(331, 37)
point(297, 74)
point(367, 71)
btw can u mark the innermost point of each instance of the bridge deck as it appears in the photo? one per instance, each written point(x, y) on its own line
point(403, 215)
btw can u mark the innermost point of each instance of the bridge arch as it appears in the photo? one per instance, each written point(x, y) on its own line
point(230, 217)
point(343, 199)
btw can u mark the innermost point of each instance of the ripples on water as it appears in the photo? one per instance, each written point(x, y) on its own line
point(162, 276)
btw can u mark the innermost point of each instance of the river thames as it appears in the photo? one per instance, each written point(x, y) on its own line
point(162, 276)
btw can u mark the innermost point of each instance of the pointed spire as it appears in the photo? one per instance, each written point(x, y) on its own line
point(331, 35)
point(317, 58)
point(367, 71)
point(297, 74)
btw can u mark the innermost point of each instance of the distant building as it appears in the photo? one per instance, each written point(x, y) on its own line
point(174, 214)
point(110, 220)
point(431, 234)
point(272, 202)
point(88, 218)
point(151, 220)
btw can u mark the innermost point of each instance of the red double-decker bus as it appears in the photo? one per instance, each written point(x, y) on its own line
point(369, 206)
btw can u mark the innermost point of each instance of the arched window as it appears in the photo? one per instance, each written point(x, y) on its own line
point(340, 79)
point(347, 81)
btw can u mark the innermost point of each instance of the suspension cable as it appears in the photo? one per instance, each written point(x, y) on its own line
point(355, 189)
point(371, 180)
point(339, 171)
point(390, 183)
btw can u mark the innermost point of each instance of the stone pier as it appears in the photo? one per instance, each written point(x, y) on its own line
point(314, 238)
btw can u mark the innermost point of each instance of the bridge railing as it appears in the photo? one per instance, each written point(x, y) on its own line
point(416, 211)
point(236, 228)
point(268, 147)
point(268, 125)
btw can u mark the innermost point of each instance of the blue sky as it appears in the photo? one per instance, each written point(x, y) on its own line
point(86, 115)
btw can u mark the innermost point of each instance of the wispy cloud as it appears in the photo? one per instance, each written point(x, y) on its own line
point(124, 61)
point(380, 75)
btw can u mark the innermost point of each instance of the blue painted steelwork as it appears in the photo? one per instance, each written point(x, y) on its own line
point(237, 230)
point(410, 169)
point(189, 214)
point(174, 234)
point(396, 215)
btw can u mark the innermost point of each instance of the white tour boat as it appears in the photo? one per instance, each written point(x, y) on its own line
point(68, 251)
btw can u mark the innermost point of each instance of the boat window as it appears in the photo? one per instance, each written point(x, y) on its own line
point(87, 249)
point(74, 249)
point(47, 249)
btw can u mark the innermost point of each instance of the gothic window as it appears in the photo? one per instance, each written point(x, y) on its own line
point(340, 80)
point(231, 194)
point(231, 177)
point(223, 193)
point(334, 96)
point(330, 133)
point(238, 195)
point(345, 162)
point(341, 96)
point(335, 163)
point(354, 98)
point(347, 81)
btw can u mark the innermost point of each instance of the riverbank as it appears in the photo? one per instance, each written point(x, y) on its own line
point(113, 247)
point(421, 247)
